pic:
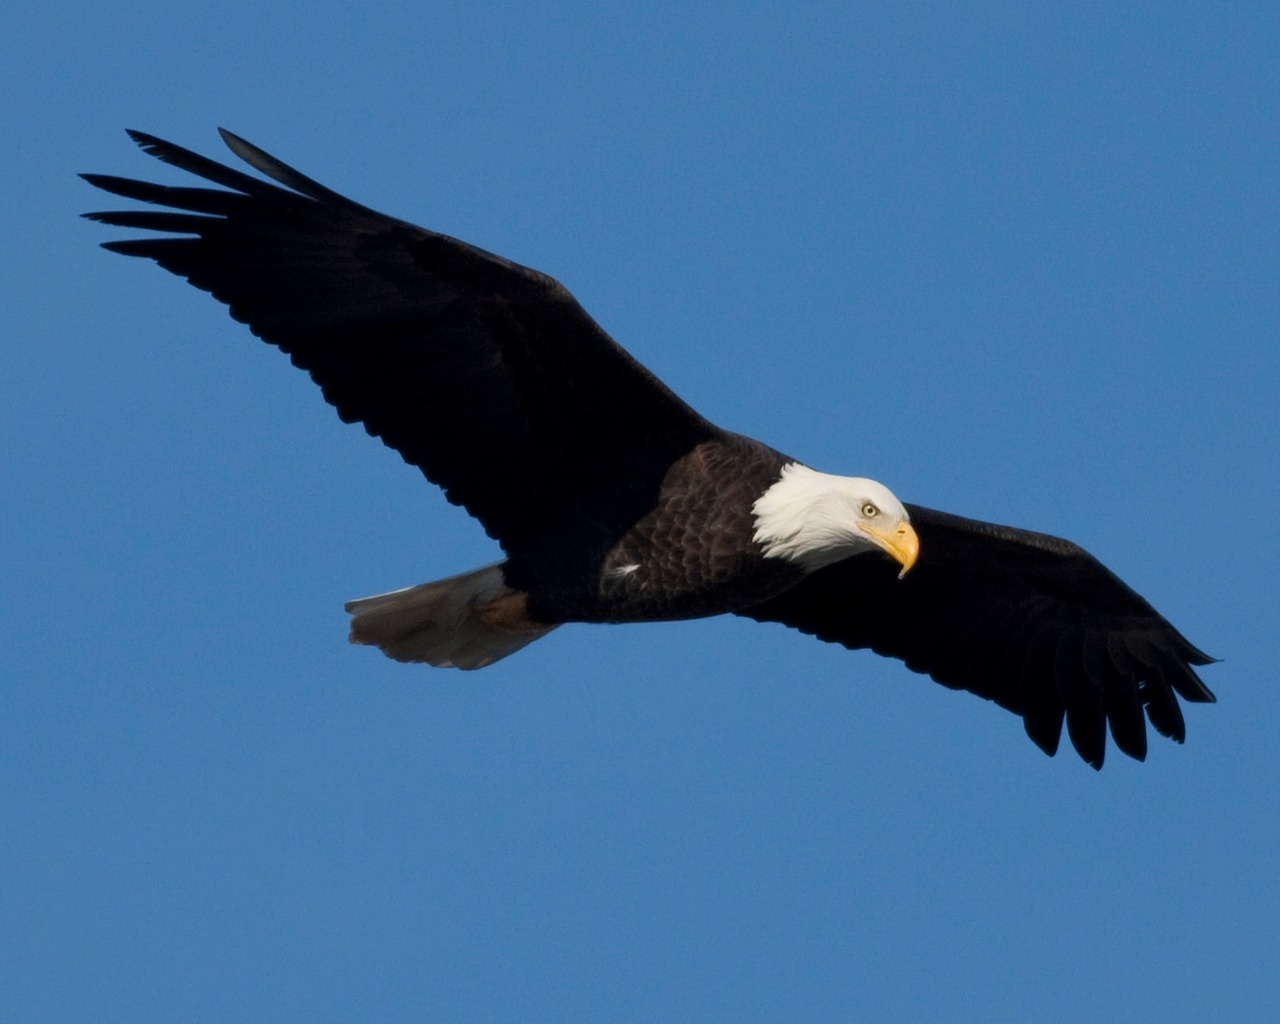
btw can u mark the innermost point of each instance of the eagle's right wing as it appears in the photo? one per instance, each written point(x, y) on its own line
point(486, 375)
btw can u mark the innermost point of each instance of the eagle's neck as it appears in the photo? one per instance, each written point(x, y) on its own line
point(807, 518)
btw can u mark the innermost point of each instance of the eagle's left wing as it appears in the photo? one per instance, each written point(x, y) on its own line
point(1030, 621)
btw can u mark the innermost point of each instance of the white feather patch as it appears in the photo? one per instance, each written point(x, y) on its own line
point(811, 518)
point(441, 623)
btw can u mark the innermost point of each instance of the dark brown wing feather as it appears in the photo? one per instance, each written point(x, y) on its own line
point(486, 375)
point(1032, 622)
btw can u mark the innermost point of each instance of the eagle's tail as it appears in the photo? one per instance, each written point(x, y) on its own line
point(466, 621)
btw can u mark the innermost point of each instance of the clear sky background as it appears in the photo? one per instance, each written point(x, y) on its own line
point(1018, 261)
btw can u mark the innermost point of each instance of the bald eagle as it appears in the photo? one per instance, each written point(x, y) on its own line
point(612, 499)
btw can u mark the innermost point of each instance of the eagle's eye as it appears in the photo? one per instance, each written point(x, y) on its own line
point(870, 511)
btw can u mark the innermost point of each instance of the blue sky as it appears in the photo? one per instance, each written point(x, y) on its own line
point(1018, 262)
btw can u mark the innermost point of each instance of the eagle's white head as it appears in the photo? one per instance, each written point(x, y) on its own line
point(814, 519)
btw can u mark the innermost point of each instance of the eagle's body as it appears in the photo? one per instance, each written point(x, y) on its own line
point(653, 571)
point(613, 500)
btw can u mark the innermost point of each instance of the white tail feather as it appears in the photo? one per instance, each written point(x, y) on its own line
point(443, 623)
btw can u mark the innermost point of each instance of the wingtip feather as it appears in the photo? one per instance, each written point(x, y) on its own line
point(147, 142)
point(263, 162)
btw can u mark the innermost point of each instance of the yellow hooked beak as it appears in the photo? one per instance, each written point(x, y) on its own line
point(899, 541)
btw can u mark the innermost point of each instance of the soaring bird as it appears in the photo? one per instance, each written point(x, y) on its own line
point(612, 499)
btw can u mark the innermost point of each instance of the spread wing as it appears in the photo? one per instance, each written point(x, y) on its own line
point(1032, 622)
point(486, 375)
